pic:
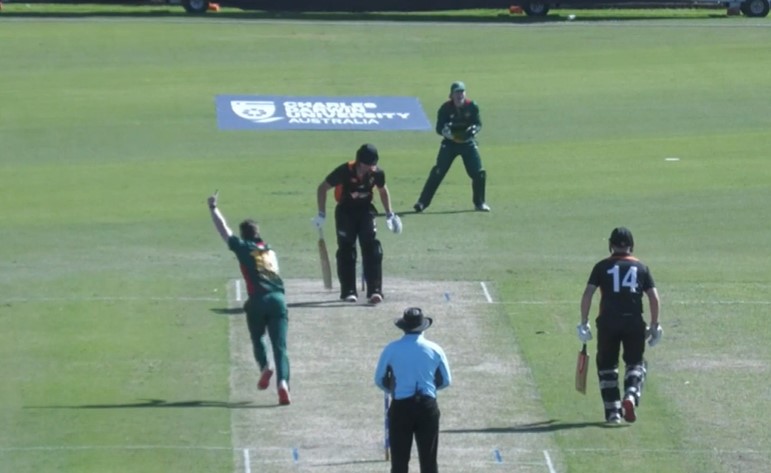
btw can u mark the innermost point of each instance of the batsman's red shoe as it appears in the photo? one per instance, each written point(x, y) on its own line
point(264, 381)
point(283, 395)
point(628, 407)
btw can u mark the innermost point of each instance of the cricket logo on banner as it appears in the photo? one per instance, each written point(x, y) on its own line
point(240, 112)
point(255, 111)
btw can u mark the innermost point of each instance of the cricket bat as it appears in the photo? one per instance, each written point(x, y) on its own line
point(387, 440)
point(582, 368)
point(326, 269)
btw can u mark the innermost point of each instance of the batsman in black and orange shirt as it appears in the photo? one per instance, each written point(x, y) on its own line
point(622, 279)
point(354, 183)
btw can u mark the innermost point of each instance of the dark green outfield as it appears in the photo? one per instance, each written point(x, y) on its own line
point(113, 356)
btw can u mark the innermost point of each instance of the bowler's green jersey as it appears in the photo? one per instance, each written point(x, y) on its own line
point(259, 265)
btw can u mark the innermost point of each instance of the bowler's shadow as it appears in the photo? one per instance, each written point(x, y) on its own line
point(551, 425)
point(161, 403)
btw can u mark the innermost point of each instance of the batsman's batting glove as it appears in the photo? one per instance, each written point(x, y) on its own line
point(447, 131)
point(394, 223)
point(655, 332)
point(318, 220)
point(584, 332)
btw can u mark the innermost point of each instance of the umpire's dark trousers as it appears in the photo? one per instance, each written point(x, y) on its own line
point(418, 416)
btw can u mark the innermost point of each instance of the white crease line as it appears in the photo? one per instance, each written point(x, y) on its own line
point(488, 297)
point(487, 293)
point(549, 464)
point(247, 461)
point(745, 451)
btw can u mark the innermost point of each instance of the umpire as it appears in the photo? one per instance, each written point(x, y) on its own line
point(622, 280)
point(412, 369)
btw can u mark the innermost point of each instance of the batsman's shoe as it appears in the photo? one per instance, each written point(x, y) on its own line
point(375, 298)
point(482, 207)
point(419, 207)
point(264, 381)
point(628, 408)
point(614, 418)
point(349, 298)
point(283, 394)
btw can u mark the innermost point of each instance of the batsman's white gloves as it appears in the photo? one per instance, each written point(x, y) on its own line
point(318, 220)
point(394, 223)
point(446, 131)
point(584, 332)
point(655, 332)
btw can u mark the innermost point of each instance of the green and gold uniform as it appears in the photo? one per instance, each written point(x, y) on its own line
point(266, 306)
point(464, 122)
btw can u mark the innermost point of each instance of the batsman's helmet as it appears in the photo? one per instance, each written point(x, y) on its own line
point(367, 154)
point(621, 237)
point(249, 229)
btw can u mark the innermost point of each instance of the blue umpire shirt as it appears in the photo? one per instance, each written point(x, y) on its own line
point(419, 366)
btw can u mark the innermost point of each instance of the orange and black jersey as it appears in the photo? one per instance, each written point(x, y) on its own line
point(349, 189)
point(622, 279)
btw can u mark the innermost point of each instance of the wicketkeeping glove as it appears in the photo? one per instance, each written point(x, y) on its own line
point(394, 223)
point(584, 332)
point(447, 131)
point(318, 220)
point(471, 131)
point(655, 332)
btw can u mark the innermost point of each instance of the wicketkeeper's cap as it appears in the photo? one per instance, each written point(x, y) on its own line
point(367, 154)
point(457, 85)
point(413, 320)
point(621, 237)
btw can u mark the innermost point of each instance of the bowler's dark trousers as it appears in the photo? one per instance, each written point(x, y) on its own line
point(416, 416)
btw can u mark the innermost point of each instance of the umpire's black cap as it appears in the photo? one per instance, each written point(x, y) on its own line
point(367, 154)
point(621, 237)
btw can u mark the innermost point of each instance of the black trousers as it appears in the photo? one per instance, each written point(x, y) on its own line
point(613, 334)
point(416, 417)
point(358, 223)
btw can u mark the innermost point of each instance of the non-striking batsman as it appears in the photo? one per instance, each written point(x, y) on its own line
point(622, 279)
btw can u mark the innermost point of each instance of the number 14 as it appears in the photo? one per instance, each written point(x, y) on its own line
point(629, 280)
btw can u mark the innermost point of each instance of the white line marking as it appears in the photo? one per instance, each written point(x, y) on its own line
point(549, 464)
point(247, 461)
point(487, 293)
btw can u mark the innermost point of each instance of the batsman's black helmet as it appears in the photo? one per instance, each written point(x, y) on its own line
point(621, 237)
point(367, 154)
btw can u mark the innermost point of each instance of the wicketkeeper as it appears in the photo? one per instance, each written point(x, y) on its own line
point(266, 306)
point(354, 183)
point(458, 122)
point(622, 280)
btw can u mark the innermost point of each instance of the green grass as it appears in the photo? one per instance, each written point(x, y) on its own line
point(109, 264)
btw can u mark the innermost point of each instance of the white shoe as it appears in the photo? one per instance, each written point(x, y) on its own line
point(614, 418)
point(350, 298)
point(375, 298)
point(482, 207)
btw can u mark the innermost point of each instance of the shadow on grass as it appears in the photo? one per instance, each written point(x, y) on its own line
point(160, 403)
point(405, 17)
point(533, 428)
